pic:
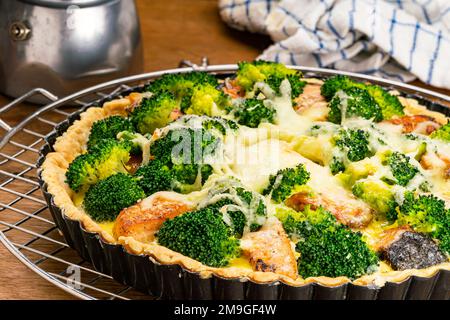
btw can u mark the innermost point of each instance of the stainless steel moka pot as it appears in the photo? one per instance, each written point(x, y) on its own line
point(66, 45)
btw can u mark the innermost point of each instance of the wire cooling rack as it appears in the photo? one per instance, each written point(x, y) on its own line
point(26, 227)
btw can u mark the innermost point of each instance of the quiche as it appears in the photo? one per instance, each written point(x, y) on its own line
point(264, 175)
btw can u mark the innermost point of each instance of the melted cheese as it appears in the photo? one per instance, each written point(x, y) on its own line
point(107, 226)
point(262, 159)
point(374, 231)
point(241, 262)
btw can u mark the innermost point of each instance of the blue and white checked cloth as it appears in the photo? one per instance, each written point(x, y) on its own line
point(397, 39)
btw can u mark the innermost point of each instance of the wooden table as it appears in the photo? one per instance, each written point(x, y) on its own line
point(172, 30)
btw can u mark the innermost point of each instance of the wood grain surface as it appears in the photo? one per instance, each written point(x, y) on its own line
point(172, 30)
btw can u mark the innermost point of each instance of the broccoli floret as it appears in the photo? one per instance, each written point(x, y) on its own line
point(272, 73)
point(179, 161)
point(189, 177)
point(326, 247)
point(378, 195)
point(295, 81)
point(201, 235)
point(443, 133)
point(222, 125)
point(355, 143)
point(195, 92)
point(207, 100)
point(140, 144)
point(390, 105)
point(356, 102)
point(103, 160)
point(421, 151)
point(154, 176)
point(105, 199)
point(252, 112)
point(287, 182)
point(401, 168)
point(108, 128)
point(336, 165)
point(241, 208)
point(154, 112)
point(353, 146)
point(186, 145)
point(334, 84)
point(181, 84)
point(355, 171)
point(426, 214)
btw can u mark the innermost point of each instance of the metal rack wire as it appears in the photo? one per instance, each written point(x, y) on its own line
point(27, 229)
point(26, 226)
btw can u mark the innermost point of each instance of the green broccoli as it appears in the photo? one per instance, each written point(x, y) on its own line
point(355, 171)
point(154, 176)
point(426, 214)
point(195, 92)
point(186, 145)
point(103, 160)
point(443, 133)
point(207, 100)
point(401, 168)
point(189, 177)
point(295, 81)
point(201, 235)
point(421, 151)
point(390, 105)
point(241, 208)
point(334, 84)
point(336, 165)
point(154, 112)
point(378, 195)
point(108, 128)
point(182, 84)
point(272, 73)
point(251, 112)
point(287, 182)
point(353, 145)
point(326, 247)
point(219, 124)
point(140, 143)
point(179, 161)
point(355, 102)
point(105, 199)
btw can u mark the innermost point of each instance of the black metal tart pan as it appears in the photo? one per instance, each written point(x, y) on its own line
point(174, 282)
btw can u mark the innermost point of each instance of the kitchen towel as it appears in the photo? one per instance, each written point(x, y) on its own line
point(396, 39)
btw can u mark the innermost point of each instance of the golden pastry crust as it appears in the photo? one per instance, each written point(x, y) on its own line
point(73, 142)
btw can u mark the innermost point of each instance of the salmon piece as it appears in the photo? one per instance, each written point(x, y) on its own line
point(350, 212)
point(233, 89)
point(310, 96)
point(418, 123)
point(328, 193)
point(270, 250)
point(142, 220)
point(311, 103)
point(447, 173)
point(433, 161)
